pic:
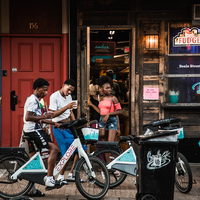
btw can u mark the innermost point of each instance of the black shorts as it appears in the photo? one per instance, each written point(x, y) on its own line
point(41, 139)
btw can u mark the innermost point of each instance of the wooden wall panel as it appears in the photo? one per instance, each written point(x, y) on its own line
point(189, 120)
point(150, 69)
point(113, 18)
point(45, 16)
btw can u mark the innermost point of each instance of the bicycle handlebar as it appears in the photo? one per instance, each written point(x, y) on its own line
point(76, 122)
point(163, 122)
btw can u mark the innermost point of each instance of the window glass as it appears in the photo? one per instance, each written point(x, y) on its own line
point(184, 89)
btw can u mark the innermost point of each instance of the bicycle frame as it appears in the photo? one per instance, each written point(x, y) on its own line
point(126, 162)
point(36, 166)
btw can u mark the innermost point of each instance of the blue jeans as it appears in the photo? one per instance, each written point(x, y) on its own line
point(110, 124)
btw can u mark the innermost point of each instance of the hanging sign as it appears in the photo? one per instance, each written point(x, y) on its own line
point(187, 37)
point(102, 48)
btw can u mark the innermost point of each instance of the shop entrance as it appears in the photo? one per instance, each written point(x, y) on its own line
point(101, 51)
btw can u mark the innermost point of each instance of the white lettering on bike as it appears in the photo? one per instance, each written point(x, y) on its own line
point(158, 161)
point(65, 158)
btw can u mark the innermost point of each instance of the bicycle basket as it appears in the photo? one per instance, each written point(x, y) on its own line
point(90, 134)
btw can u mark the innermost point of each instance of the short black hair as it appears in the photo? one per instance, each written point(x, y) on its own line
point(40, 82)
point(104, 79)
point(70, 82)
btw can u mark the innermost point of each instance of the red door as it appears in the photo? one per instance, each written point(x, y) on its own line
point(31, 58)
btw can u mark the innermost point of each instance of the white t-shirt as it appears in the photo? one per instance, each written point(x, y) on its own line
point(33, 105)
point(57, 101)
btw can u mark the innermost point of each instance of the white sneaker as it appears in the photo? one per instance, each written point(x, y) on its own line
point(70, 178)
point(63, 181)
point(117, 173)
point(52, 184)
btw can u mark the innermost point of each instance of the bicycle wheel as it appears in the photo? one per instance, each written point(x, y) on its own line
point(148, 197)
point(183, 174)
point(115, 178)
point(12, 188)
point(90, 188)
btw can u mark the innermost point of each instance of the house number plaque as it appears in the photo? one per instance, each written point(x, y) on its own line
point(33, 26)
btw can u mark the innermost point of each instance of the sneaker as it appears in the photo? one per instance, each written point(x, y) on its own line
point(37, 194)
point(63, 181)
point(72, 179)
point(52, 184)
point(117, 173)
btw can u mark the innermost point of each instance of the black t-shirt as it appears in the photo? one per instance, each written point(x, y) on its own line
point(123, 91)
point(94, 114)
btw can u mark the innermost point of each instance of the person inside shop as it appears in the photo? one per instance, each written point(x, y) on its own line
point(64, 138)
point(115, 87)
point(123, 88)
point(33, 120)
point(94, 110)
point(93, 87)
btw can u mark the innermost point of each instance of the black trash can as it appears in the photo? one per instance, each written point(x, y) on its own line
point(156, 161)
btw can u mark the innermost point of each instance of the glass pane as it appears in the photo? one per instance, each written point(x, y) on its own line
point(184, 90)
point(184, 65)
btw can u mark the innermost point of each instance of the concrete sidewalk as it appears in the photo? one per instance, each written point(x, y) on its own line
point(126, 191)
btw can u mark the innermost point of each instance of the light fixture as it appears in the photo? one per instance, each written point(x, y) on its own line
point(151, 39)
point(111, 32)
point(117, 56)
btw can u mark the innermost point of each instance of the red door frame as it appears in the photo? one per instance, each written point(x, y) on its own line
point(6, 81)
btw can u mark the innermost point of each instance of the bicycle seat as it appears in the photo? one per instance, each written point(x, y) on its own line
point(26, 138)
point(75, 123)
point(124, 138)
point(106, 143)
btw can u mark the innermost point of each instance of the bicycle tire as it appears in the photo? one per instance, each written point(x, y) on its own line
point(148, 197)
point(91, 184)
point(183, 180)
point(9, 163)
point(122, 177)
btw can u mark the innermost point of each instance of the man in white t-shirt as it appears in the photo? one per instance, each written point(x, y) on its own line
point(64, 138)
point(33, 120)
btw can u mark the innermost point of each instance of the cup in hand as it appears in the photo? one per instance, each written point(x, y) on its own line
point(75, 105)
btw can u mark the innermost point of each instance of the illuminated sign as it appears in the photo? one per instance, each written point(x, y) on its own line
point(196, 87)
point(102, 48)
point(187, 37)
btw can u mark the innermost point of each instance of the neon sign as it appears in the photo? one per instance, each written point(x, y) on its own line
point(187, 37)
point(197, 87)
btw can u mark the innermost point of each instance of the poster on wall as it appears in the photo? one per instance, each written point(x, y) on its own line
point(150, 93)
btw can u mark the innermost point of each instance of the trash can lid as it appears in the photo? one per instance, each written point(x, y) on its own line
point(156, 134)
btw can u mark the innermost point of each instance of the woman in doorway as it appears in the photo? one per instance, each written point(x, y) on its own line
point(109, 108)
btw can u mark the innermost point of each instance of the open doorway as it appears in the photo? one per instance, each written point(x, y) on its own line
point(109, 52)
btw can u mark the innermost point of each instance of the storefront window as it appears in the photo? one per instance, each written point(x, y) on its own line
point(183, 77)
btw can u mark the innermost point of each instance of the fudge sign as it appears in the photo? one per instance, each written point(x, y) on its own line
point(187, 37)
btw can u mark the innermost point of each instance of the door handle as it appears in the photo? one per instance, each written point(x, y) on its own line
point(0, 101)
point(13, 100)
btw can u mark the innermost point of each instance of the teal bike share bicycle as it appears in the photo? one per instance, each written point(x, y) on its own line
point(18, 172)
